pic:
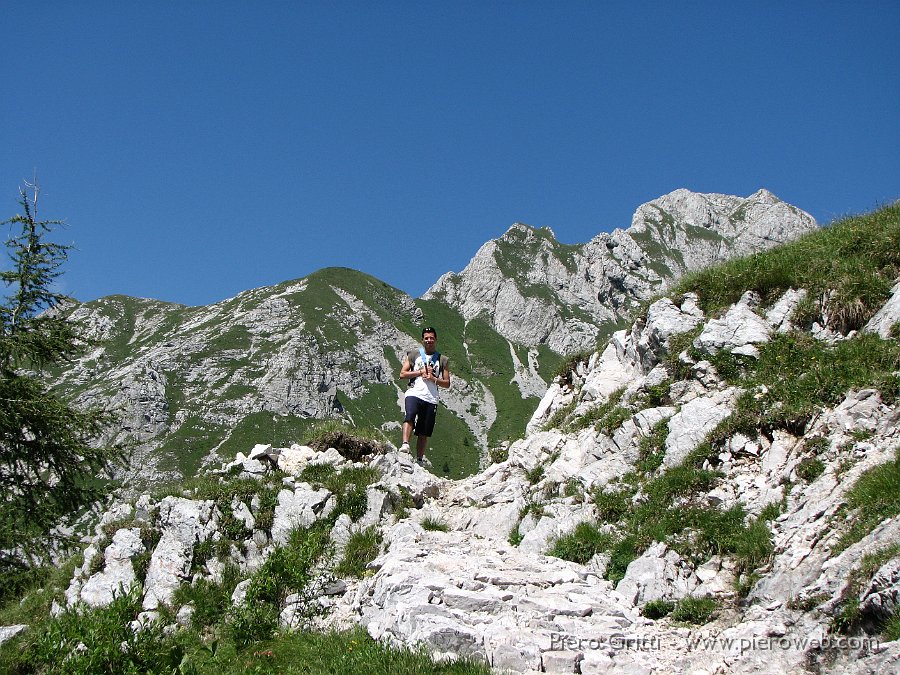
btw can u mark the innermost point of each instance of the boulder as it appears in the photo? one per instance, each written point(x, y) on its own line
point(117, 575)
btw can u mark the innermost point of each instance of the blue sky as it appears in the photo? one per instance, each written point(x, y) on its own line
point(200, 149)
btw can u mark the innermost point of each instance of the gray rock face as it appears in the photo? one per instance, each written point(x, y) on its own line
point(9, 632)
point(881, 599)
point(535, 290)
point(299, 507)
point(117, 575)
point(737, 331)
point(888, 316)
point(184, 523)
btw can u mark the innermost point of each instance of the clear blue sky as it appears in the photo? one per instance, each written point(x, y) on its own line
point(199, 149)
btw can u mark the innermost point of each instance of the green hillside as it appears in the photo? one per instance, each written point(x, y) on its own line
point(227, 376)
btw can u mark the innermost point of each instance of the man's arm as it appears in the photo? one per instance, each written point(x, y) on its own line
point(444, 379)
point(406, 371)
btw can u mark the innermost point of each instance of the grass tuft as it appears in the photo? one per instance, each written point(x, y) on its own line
point(872, 499)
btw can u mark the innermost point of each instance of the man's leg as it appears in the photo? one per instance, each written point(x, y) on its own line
point(421, 444)
point(410, 404)
point(424, 428)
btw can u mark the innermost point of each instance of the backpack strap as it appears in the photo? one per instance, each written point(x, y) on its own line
point(411, 357)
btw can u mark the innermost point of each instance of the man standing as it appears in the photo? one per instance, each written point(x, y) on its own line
point(426, 370)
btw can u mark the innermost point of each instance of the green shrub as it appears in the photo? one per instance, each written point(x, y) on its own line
point(250, 623)
point(515, 536)
point(657, 609)
point(435, 525)
point(652, 448)
point(873, 498)
point(362, 548)
point(810, 468)
point(498, 455)
point(109, 643)
point(622, 554)
point(694, 610)
point(580, 545)
point(345, 652)
point(891, 630)
point(535, 474)
point(613, 505)
point(211, 601)
point(573, 488)
point(290, 568)
point(654, 396)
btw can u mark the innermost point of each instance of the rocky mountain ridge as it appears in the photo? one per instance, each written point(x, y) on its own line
point(535, 290)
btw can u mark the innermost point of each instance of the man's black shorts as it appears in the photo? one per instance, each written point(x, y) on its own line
point(421, 414)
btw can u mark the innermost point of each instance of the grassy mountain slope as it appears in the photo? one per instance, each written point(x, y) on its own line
point(270, 363)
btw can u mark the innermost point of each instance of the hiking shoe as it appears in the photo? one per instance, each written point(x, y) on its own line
point(405, 448)
point(420, 461)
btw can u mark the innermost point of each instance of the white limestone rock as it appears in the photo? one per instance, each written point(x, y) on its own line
point(738, 331)
point(779, 315)
point(9, 632)
point(300, 507)
point(556, 520)
point(294, 459)
point(184, 523)
point(881, 598)
point(658, 574)
point(690, 426)
point(886, 317)
point(117, 575)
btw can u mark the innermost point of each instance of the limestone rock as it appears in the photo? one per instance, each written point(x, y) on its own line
point(881, 599)
point(886, 317)
point(738, 331)
point(689, 426)
point(300, 507)
point(117, 575)
point(9, 632)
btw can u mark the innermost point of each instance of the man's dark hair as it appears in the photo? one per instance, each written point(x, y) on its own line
point(429, 329)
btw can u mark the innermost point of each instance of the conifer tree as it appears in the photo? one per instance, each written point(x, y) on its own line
point(49, 467)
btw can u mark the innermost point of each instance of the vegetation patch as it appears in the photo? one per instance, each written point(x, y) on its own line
point(669, 508)
point(857, 261)
point(873, 498)
point(694, 610)
point(657, 609)
point(582, 544)
point(435, 525)
point(362, 548)
point(848, 618)
point(605, 418)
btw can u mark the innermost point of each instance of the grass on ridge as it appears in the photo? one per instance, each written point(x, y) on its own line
point(853, 263)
